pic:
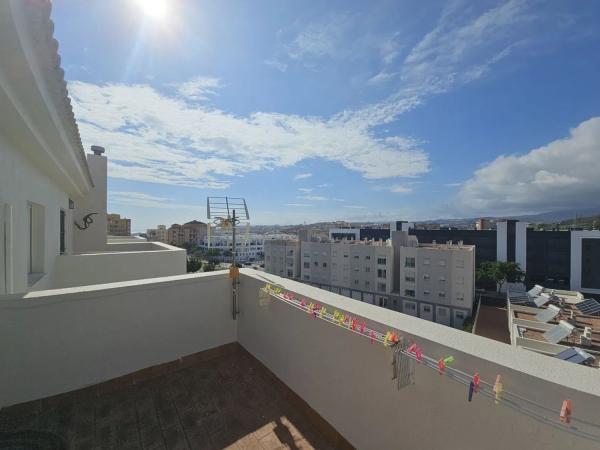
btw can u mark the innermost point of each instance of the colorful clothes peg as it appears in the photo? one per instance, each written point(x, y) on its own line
point(498, 388)
point(471, 390)
point(441, 366)
point(386, 339)
point(565, 411)
point(476, 382)
point(353, 325)
point(448, 360)
point(394, 338)
point(362, 327)
point(303, 303)
point(372, 336)
point(412, 348)
point(322, 312)
point(419, 354)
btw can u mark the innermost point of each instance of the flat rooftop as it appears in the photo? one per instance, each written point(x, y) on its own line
point(221, 398)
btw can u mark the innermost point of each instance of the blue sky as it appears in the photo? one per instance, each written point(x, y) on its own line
point(338, 110)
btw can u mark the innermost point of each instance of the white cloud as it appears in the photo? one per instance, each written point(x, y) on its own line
point(354, 207)
point(140, 199)
point(395, 188)
point(314, 198)
point(199, 88)
point(299, 205)
point(322, 38)
point(306, 190)
point(302, 176)
point(560, 175)
point(324, 185)
point(276, 64)
point(153, 137)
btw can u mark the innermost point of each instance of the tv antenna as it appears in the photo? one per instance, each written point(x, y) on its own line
point(228, 212)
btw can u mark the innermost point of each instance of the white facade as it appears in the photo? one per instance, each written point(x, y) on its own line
point(249, 247)
point(282, 257)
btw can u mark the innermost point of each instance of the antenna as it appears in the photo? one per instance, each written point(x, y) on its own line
point(228, 212)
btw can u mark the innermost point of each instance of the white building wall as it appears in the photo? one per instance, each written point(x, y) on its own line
point(521, 244)
point(22, 183)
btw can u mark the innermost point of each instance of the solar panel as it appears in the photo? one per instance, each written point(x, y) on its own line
point(536, 290)
point(547, 314)
point(588, 306)
point(559, 332)
point(542, 299)
point(574, 355)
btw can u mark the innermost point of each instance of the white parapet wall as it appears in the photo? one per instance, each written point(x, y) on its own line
point(59, 340)
point(119, 262)
point(347, 380)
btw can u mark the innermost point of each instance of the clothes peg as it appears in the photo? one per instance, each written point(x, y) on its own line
point(372, 336)
point(353, 324)
point(412, 348)
point(394, 338)
point(565, 411)
point(471, 390)
point(448, 360)
point(441, 366)
point(322, 312)
point(419, 354)
point(362, 327)
point(498, 388)
point(476, 382)
point(386, 339)
point(303, 303)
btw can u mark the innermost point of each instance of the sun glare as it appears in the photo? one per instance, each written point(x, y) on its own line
point(156, 9)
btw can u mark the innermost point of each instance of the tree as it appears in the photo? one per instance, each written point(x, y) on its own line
point(500, 272)
point(209, 266)
point(193, 264)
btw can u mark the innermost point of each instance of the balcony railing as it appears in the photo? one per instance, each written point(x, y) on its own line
point(55, 341)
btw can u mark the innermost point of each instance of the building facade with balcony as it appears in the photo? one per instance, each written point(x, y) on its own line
point(282, 257)
point(193, 232)
point(158, 234)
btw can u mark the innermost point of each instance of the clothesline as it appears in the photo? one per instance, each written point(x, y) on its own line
point(562, 419)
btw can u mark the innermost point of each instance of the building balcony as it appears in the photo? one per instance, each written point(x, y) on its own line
point(160, 363)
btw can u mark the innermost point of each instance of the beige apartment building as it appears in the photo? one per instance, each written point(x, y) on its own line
point(282, 257)
point(118, 226)
point(189, 233)
point(158, 234)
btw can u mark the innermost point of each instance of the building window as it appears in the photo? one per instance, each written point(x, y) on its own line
point(356, 282)
point(290, 273)
point(460, 263)
point(356, 269)
point(345, 255)
point(442, 294)
point(382, 301)
point(427, 309)
point(459, 315)
point(367, 257)
point(410, 306)
point(356, 256)
point(409, 292)
point(442, 279)
point(367, 269)
point(306, 265)
point(381, 261)
point(306, 255)
point(306, 277)
point(426, 292)
point(316, 263)
point(35, 244)
point(381, 273)
point(324, 265)
point(460, 297)
point(409, 262)
point(63, 243)
point(409, 279)
point(367, 284)
point(426, 276)
point(442, 262)
point(460, 280)
point(442, 312)
point(381, 287)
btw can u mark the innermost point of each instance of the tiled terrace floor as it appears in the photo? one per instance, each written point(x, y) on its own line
point(224, 399)
point(492, 323)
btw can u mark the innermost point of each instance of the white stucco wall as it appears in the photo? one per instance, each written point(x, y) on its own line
point(153, 261)
point(21, 182)
point(56, 341)
point(347, 380)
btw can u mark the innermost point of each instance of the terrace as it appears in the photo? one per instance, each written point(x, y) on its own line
point(161, 363)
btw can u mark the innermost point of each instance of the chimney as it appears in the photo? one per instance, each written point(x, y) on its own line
point(97, 150)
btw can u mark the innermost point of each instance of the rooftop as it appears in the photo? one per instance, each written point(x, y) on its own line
point(222, 398)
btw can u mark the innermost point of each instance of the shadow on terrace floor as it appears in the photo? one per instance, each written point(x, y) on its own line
point(223, 398)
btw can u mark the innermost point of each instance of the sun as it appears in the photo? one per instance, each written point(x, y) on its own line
point(156, 9)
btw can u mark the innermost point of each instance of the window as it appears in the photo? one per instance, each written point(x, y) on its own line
point(324, 265)
point(367, 257)
point(427, 261)
point(442, 279)
point(409, 261)
point(381, 287)
point(306, 265)
point(409, 278)
point(409, 292)
point(306, 255)
point(442, 312)
point(345, 255)
point(356, 269)
point(316, 263)
point(290, 273)
point(426, 276)
point(459, 315)
point(381, 261)
point(460, 280)
point(306, 277)
point(460, 297)
point(460, 263)
point(442, 262)
point(356, 282)
point(367, 284)
point(63, 244)
point(356, 256)
point(427, 309)
point(410, 306)
point(381, 273)
point(382, 301)
point(35, 243)
point(442, 294)
point(367, 269)
point(426, 292)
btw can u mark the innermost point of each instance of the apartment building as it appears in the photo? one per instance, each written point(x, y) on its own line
point(118, 226)
point(282, 257)
point(189, 233)
point(436, 281)
point(158, 234)
point(249, 246)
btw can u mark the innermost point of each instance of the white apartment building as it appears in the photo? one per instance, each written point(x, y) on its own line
point(158, 234)
point(435, 281)
point(282, 257)
point(249, 246)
